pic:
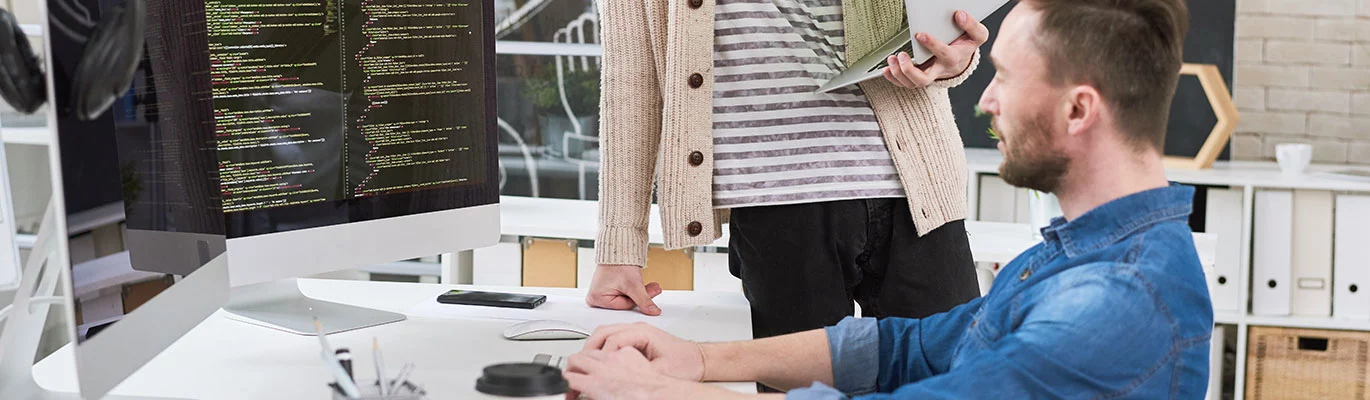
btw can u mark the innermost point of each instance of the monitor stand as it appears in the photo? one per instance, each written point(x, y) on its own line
point(22, 331)
point(282, 306)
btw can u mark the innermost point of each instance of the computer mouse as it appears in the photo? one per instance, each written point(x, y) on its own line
point(545, 330)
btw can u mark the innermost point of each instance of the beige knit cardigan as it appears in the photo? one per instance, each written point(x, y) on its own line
point(656, 122)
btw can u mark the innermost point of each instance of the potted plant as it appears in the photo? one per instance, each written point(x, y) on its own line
point(582, 94)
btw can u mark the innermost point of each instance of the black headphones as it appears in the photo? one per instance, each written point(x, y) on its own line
point(104, 73)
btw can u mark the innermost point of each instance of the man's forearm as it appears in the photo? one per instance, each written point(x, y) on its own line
point(782, 362)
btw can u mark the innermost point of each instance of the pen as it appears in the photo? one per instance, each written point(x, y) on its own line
point(345, 358)
point(380, 366)
point(344, 379)
point(400, 379)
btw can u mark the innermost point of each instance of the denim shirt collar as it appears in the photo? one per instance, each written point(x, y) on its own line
point(1111, 222)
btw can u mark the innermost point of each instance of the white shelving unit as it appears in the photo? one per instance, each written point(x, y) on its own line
point(25, 136)
point(1240, 175)
point(29, 136)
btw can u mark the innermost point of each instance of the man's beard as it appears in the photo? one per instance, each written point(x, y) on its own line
point(1032, 161)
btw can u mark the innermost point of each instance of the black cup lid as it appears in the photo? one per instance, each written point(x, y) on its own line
point(521, 380)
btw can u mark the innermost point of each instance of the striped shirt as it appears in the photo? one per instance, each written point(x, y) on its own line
point(777, 141)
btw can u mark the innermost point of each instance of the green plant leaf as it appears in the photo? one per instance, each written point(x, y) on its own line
point(990, 130)
point(582, 91)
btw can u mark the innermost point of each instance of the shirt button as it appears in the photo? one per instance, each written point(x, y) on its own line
point(1026, 273)
point(695, 228)
point(696, 3)
point(696, 80)
point(696, 158)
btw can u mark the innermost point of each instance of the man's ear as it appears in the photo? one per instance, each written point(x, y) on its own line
point(1084, 109)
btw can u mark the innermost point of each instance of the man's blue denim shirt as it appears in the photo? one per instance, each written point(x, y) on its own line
point(1110, 305)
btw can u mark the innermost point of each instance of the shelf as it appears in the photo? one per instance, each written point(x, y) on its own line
point(548, 48)
point(1310, 322)
point(1227, 318)
point(408, 268)
point(1223, 173)
point(1231, 318)
point(30, 136)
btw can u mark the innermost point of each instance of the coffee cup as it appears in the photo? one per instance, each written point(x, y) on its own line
point(1293, 157)
point(525, 381)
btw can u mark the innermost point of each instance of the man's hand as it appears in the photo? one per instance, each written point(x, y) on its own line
point(619, 287)
point(948, 61)
point(621, 374)
point(667, 354)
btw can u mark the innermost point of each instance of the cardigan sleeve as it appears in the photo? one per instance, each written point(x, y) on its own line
point(959, 79)
point(630, 130)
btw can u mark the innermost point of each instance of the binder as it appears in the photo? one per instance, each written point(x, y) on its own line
point(1351, 258)
point(1311, 285)
point(997, 200)
point(1022, 213)
point(1272, 253)
point(1224, 219)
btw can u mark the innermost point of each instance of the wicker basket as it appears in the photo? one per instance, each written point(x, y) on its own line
point(1286, 363)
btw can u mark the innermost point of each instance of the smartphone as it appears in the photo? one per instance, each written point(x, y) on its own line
point(492, 299)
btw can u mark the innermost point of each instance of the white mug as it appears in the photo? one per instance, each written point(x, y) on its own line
point(1293, 157)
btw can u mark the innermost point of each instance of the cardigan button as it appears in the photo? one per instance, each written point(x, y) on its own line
point(696, 158)
point(696, 4)
point(696, 80)
point(695, 228)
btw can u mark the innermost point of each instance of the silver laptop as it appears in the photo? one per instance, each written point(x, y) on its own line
point(931, 16)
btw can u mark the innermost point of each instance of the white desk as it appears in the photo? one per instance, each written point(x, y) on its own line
point(226, 359)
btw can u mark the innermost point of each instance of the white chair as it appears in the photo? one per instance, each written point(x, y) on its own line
point(584, 29)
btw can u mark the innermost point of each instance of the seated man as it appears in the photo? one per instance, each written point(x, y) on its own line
point(1112, 303)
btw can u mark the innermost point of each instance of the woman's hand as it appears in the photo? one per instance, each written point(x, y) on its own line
point(948, 61)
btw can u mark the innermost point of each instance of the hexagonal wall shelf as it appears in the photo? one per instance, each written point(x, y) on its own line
point(1223, 107)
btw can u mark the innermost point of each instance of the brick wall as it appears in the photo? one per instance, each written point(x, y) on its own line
point(1303, 76)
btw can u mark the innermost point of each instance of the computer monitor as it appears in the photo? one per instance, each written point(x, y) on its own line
point(349, 134)
point(296, 137)
point(147, 154)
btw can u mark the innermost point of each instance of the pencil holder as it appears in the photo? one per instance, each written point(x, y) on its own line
point(372, 391)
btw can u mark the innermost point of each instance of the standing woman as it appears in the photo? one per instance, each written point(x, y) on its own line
point(856, 195)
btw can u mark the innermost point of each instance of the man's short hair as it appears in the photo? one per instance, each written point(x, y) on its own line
point(1129, 50)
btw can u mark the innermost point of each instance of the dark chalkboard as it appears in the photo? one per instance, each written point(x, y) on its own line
point(1210, 40)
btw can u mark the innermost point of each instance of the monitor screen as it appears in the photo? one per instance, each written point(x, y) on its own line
point(329, 112)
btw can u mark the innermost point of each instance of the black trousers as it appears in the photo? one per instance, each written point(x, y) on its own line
point(802, 265)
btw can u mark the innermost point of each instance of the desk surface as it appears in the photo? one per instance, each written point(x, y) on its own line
point(226, 359)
